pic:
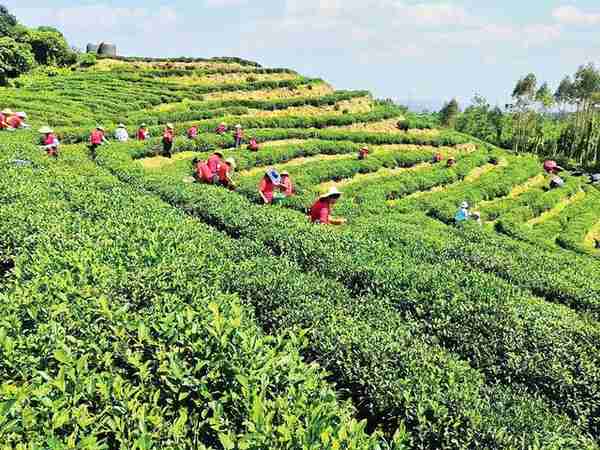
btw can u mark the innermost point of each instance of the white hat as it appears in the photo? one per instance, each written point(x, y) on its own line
point(7, 111)
point(170, 126)
point(22, 115)
point(120, 126)
point(464, 205)
point(238, 126)
point(45, 130)
point(231, 162)
point(333, 192)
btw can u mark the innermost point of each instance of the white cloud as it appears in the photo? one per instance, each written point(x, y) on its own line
point(571, 15)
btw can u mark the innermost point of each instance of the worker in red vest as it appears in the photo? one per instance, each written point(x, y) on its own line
point(437, 158)
point(49, 141)
point(225, 172)
point(192, 132)
point(142, 133)
point(363, 153)
point(238, 135)
point(221, 129)
point(97, 138)
point(320, 212)
point(167, 140)
point(253, 145)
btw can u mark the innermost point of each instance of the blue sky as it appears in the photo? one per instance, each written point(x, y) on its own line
point(402, 49)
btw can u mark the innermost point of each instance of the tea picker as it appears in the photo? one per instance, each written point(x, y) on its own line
point(121, 134)
point(320, 211)
point(225, 171)
point(49, 141)
point(268, 183)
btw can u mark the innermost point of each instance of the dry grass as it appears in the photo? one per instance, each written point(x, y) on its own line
point(554, 212)
point(357, 105)
point(227, 78)
point(109, 64)
point(314, 90)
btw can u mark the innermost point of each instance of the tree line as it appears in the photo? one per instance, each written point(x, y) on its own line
point(564, 124)
point(23, 48)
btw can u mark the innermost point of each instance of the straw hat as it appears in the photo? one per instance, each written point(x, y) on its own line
point(45, 130)
point(120, 126)
point(464, 205)
point(143, 125)
point(222, 124)
point(333, 192)
point(285, 173)
point(21, 114)
point(170, 126)
point(7, 111)
point(238, 126)
point(218, 153)
point(100, 127)
point(231, 162)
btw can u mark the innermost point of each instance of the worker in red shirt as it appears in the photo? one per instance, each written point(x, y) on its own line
point(221, 129)
point(238, 135)
point(437, 158)
point(17, 121)
point(320, 212)
point(286, 187)
point(225, 172)
point(267, 185)
point(202, 173)
point(49, 141)
point(363, 153)
point(167, 140)
point(253, 145)
point(97, 138)
point(192, 132)
point(142, 133)
point(552, 167)
point(214, 162)
point(4, 115)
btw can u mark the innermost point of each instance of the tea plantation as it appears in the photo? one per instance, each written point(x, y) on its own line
point(143, 311)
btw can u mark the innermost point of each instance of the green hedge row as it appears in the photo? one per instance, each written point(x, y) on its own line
point(372, 268)
point(115, 333)
point(579, 221)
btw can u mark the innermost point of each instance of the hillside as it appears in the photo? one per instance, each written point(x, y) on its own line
point(145, 311)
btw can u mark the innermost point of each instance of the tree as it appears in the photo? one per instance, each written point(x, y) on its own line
point(51, 48)
point(544, 97)
point(449, 113)
point(15, 59)
point(7, 22)
point(564, 94)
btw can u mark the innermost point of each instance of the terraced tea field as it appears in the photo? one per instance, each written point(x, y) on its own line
point(145, 311)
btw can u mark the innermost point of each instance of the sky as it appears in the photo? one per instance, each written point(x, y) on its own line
point(418, 51)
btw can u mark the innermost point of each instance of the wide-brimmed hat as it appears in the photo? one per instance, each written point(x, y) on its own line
point(285, 173)
point(45, 130)
point(99, 127)
point(21, 114)
point(143, 125)
point(170, 126)
point(121, 125)
point(464, 205)
point(238, 126)
point(332, 192)
point(222, 124)
point(218, 152)
point(7, 111)
point(231, 162)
